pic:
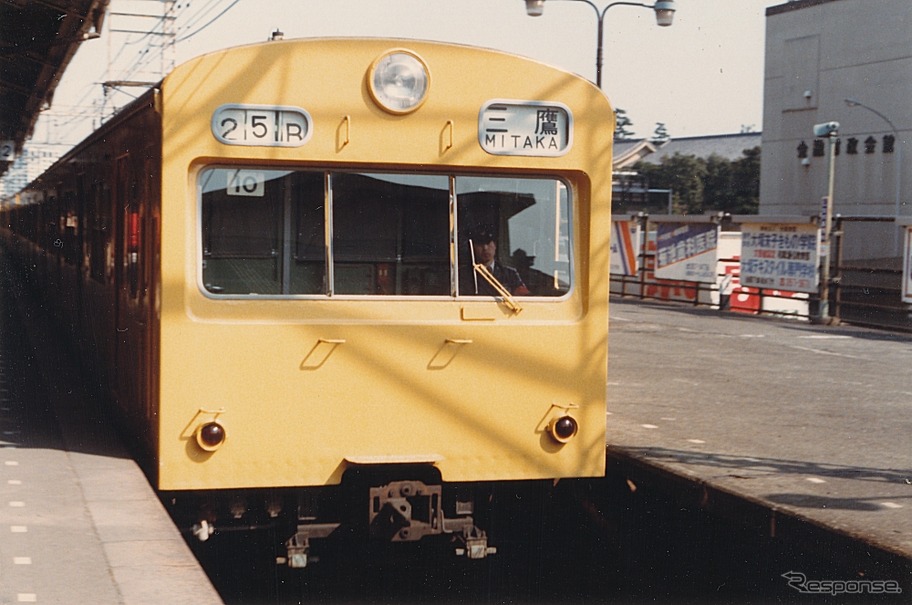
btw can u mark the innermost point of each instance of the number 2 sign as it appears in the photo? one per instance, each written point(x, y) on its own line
point(7, 151)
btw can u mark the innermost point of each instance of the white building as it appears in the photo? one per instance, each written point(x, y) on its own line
point(818, 54)
point(28, 165)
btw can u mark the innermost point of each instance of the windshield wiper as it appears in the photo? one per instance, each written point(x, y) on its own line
point(482, 270)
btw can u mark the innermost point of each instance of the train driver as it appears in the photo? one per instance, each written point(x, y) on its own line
point(484, 247)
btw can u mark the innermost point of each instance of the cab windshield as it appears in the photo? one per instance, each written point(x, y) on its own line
point(296, 233)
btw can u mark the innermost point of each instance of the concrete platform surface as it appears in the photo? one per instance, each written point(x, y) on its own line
point(810, 420)
point(79, 523)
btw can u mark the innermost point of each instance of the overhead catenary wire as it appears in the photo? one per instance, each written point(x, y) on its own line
point(191, 16)
point(214, 19)
point(201, 13)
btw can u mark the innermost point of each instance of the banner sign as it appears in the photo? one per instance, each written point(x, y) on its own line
point(907, 267)
point(626, 244)
point(687, 251)
point(780, 256)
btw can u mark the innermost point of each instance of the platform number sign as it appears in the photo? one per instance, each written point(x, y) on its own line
point(7, 151)
point(261, 125)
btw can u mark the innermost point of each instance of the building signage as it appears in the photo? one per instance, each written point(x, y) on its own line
point(780, 256)
point(625, 247)
point(529, 128)
point(687, 251)
point(261, 125)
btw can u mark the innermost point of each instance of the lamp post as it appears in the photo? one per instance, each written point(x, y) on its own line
point(898, 170)
point(664, 13)
point(830, 130)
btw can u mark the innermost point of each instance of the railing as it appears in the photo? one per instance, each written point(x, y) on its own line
point(865, 292)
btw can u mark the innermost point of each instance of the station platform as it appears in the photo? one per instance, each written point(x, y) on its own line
point(787, 420)
point(79, 523)
point(795, 422)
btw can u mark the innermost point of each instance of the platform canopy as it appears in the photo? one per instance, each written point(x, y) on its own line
point(37, 40)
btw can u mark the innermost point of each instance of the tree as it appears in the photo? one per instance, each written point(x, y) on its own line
point(660, 134)
point(746, 182)
point(687, 172)
point(621, 125)
point(683, 174)
point(712, 184)
point(717, 185)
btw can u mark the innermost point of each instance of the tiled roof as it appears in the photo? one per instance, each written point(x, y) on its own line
point(728, 146)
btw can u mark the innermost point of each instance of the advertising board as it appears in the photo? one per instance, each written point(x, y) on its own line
point(687, 251)
point(780, 256)
point(626, 243)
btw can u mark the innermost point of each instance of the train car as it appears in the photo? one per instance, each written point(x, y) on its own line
point(341, 286)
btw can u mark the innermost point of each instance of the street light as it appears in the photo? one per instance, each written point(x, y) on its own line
point(898, 170)
point(831, 130)
point(664, 13)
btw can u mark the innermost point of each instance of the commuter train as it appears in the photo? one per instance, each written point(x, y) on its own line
point(278, 264)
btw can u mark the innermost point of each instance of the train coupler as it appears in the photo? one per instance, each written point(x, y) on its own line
point(405, 511)
point(408, 511)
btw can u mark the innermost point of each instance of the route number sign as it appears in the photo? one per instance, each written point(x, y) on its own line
point(261, 125)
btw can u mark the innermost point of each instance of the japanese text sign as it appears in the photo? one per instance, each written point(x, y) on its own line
point(780, 256)
point(687, 251)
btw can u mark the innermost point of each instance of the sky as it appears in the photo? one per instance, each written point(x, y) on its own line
point(701, 76)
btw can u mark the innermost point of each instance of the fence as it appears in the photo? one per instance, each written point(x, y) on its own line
point(867, 291)
point(863, 289)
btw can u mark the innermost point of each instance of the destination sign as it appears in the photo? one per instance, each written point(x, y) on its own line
point(261, 125)
point(528, 128)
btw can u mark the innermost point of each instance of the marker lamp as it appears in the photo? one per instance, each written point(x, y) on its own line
point(399, 81)
point(210, 436)
point(563, 429)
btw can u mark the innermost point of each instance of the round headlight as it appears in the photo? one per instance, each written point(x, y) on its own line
point(399, 81)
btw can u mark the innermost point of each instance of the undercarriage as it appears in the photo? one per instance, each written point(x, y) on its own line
point(371, 505)
point(402, 511)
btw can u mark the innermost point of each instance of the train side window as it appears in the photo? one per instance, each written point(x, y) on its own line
point(391, 234)
point(97, 215)
point(69, 219)
point(528, 221)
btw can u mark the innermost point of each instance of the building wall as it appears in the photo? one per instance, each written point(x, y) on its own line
point(28, 165)
point(818, 53)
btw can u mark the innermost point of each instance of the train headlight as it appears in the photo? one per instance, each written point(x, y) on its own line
point(210, 436)
point(399, 81)
point(563, 428)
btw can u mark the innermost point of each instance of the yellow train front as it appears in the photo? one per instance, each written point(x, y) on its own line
point(330, 322)
point(340, 287)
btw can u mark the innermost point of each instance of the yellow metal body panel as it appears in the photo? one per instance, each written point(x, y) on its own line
point(306, 388)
